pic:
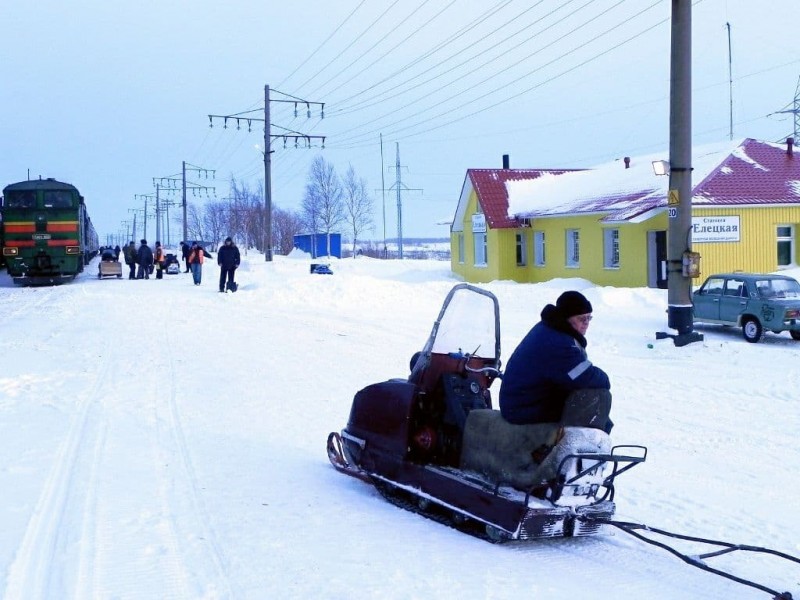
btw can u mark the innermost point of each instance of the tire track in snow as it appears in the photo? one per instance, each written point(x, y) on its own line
point(36, 571)
point(219, 583)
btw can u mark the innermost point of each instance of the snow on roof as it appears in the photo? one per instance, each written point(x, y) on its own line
point(741, 172)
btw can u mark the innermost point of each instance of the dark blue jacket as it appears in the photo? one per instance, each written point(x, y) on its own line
point(144, 256)
point(549, 363)
point(228, 257)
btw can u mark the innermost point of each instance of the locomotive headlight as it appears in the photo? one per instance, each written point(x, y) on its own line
point(10, 251)
point(73, 249)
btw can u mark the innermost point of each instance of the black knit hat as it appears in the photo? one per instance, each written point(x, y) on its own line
point(573, 303)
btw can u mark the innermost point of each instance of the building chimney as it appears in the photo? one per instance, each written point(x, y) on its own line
point(506, 162)
point(789, 146)
point(627, 160)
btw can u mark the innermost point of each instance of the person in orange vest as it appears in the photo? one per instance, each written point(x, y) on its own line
point(195, 259)
point(159, 259)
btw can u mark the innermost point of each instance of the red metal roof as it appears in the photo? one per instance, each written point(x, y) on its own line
point(490, 186)
point(754, 173)
point(748, 173)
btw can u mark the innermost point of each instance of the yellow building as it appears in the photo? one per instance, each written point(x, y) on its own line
point(609, 224)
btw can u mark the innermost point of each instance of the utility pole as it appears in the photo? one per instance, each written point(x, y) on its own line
point(288, 134)
point(146, 215)
point(158, 215)
point(730, 78)
point(135, 212)
point(383, 192)
point(127, 227)
point(173, 183)
point(680, 259)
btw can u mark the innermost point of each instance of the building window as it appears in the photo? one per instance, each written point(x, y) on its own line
point(461, 248)
point(480, 249)
point(785, 245)
point(611, 248)
point(538, 248)
point(522, 250)
point(573, 248)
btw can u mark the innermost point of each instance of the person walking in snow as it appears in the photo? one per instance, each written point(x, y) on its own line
point(129, 253)
point(159, 260)
point(195, 260)
point(185, 249)
point(228, 259)
point(144, 257)
point(549, 378)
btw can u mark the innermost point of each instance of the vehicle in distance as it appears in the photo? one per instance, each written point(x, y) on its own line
point(755, 302)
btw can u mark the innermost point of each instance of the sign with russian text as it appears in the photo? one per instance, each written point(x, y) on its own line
point(715, 229)
point(479, 223)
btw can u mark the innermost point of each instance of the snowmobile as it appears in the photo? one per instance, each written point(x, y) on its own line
point(432, 443)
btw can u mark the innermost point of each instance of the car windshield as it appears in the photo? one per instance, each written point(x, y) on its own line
point(778, 288)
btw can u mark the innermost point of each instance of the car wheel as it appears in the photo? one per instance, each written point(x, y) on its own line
point(752, 330)
point(795, 335)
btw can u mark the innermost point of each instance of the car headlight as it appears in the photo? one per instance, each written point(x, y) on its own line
point(10, 251)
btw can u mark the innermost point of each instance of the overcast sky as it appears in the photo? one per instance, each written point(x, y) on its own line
point(108, 95)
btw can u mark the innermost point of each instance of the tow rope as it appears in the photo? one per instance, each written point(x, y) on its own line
point(696, 560)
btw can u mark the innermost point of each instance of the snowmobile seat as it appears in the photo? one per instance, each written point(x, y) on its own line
point(524, 456)
point(503, 452)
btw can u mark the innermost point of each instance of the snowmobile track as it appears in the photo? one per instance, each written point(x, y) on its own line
point(435, 512)
point(203, 517)
point(33, 573)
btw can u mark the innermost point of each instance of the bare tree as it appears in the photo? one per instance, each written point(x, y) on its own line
point(286, 224)
point(322, 207)
point(194, 222)
point(246, 214)
point(215, 221)
point(357, 205)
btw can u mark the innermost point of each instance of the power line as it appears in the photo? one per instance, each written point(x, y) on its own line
point(350, 45)
point(310, 56)
point(355, 138)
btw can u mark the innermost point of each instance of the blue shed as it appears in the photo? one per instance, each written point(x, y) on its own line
point(316, 244)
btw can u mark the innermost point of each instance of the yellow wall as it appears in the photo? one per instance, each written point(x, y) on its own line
point(632, 271)
point(467, 270)
point(755, 252)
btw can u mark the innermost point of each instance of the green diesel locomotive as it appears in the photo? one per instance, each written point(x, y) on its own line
point(47, 235)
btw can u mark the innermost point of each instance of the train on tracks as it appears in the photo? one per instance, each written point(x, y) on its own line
point(47, 235)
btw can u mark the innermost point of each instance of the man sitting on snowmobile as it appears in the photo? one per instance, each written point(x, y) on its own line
point(550, 365)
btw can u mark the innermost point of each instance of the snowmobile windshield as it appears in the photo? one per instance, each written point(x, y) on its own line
point(469, 323)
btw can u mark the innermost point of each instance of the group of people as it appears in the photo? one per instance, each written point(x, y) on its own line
point(148, 260)
point(228, 259)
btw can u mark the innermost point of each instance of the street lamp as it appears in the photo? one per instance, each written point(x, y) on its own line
point(661, 167)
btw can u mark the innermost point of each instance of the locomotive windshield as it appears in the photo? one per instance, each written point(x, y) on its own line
point(23, 199)
point(57, 199)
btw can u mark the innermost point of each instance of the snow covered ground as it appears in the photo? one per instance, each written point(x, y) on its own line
point(163, 440)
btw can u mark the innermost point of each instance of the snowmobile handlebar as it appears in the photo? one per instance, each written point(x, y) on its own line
point(493, 372)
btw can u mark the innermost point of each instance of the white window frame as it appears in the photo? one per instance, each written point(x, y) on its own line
point(782, 239)
point(573, 248)
point(538, 248)
point(522, 249)
point(611, 248)
point(479, 245)
point(461, 248)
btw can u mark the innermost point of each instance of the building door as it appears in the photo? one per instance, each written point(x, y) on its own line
point(657, 259)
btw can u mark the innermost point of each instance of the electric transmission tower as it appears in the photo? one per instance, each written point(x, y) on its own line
point(795, 110)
